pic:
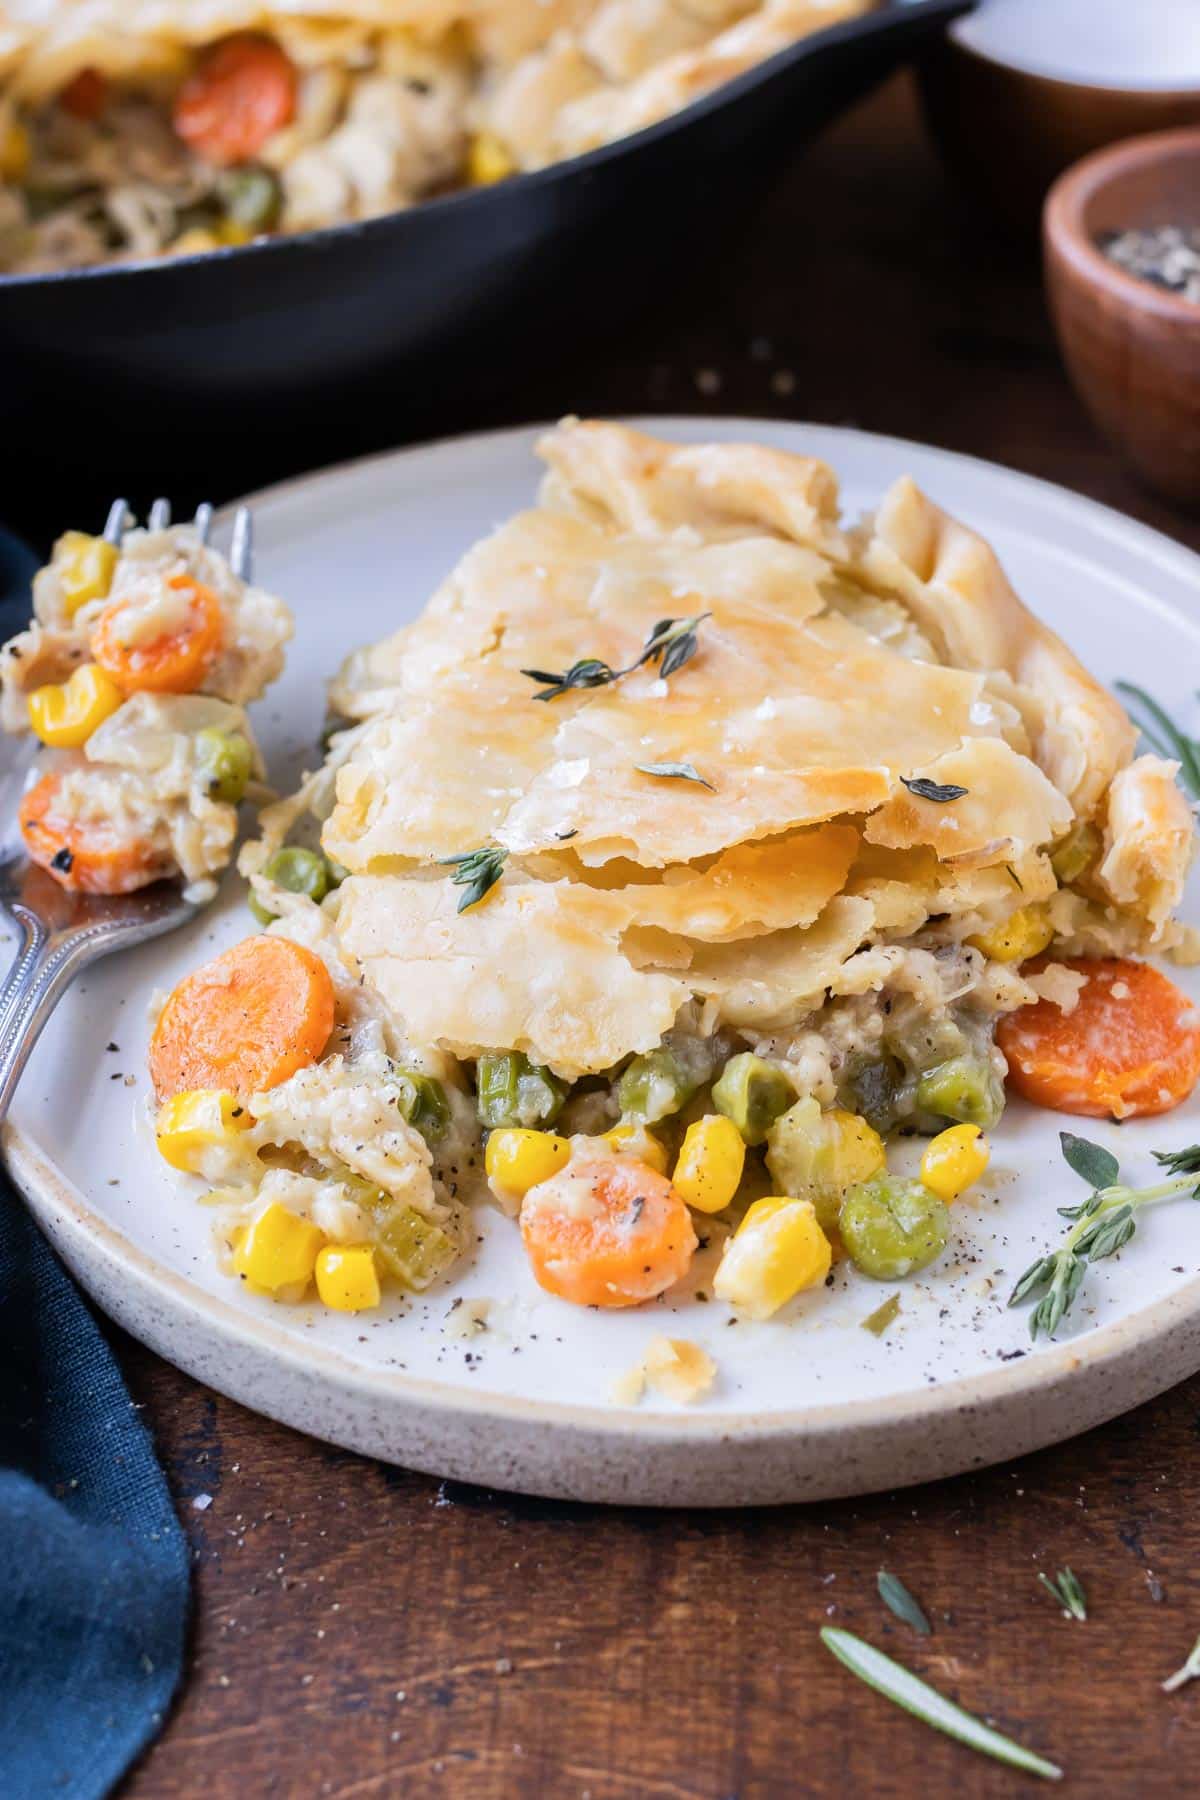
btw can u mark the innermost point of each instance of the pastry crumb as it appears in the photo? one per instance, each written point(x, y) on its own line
point(1058, 984)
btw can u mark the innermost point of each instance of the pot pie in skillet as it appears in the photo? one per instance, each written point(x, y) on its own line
point(135, 128)
point(688, 846)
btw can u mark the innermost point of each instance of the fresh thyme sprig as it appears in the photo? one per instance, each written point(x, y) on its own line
point(1163, 735)
point(1067, 1589)
point(672, 643)
point(940, 791)
point(1101, 1225)
point(1189, 1672)
point(476, 872)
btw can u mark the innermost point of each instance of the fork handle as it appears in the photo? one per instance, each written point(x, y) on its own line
point(41, 971)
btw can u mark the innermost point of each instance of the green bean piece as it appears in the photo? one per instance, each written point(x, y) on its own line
point(423, 1103)
point(753, 1093)
point(225, 762)
point(892, 1228)
point(966, 1088)
point(1075, 853)
point(655, 1085)
point(252, 197)
point(511, 1090)
point(299, 871)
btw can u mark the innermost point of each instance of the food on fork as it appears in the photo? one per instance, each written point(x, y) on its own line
point(689, 850)
point(130, 129)
point(144, 650)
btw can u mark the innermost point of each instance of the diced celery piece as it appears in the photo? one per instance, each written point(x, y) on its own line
point(514, 1091)
point(753, 1093)
point(413, 1248)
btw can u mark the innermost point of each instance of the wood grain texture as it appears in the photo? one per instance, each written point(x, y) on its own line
point(361, 1631)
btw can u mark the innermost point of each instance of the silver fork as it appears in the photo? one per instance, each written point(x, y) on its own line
point(62, 933)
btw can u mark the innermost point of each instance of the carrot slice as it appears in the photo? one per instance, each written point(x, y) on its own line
point(84, 97)
point(241, 91)
point(175, 663)
point(88, 856)
point(1131, 1046)
point(607, 1233)
point(245, 1021)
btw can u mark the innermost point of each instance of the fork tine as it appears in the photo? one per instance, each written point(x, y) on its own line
point(160, 515)
point(241, 556)
point(118, 514)
point(204, 514)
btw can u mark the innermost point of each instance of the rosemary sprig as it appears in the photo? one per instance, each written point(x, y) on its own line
point(588, 672)
point(671, 644)
point(1163, 735)
point(1190, 1671)
point(903, 1688)
point(1067, 1589)
point(897, 1599)
point(941, 791)
point(476, 872)
point(1101, 1225)
point(677, 771)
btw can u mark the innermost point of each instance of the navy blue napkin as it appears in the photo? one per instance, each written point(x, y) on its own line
point(93, 1563)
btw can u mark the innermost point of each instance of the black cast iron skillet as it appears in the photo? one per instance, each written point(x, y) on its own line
point(164, 354)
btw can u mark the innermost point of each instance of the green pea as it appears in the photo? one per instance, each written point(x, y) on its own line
point(511, 1090)
point(252, 197)
point(225, 762)
point(299, 871)
point(423, 1103)
point(753, 1093)
point(654, 1085)
point(966, 1088)
point(1076, 852)
point(892, 1228)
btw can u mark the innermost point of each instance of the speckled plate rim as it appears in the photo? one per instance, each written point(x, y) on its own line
point(812, 1452)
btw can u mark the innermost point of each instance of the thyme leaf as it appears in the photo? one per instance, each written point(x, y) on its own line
point(903, 1688)
point(1067, 1589)
point(878, 1321)
point(677, 771)
point(1163, 735)
point(674, 641)
point(1101, 1225)
point(476, 872)
point(897, 1599)
point(588, 672)
point(941, 791)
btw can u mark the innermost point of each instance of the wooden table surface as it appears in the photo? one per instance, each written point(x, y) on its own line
point(362, 1631)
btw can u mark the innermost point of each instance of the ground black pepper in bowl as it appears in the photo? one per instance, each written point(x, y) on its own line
point(1168, 256)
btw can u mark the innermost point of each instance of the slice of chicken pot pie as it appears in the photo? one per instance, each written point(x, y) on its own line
point(134, 674)
point(689, 846)
point(136, 128)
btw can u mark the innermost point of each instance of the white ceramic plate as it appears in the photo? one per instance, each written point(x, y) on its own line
point(806, 1406)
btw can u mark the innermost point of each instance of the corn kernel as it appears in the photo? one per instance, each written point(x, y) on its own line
point(1025, 934)
point(194, 242)
point(954, 1160)
point(517, 1159)
point(711, 1159)
point(488, 160)
point(84, 566)
point(192, 1125)
point(279, 1251)
point(14, 151)
point(65, 714)
point(638, 1142)
point(778, 1249)
point(347, 1279)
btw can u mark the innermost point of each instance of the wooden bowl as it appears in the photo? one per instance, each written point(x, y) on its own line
point(1131, 349)
point(1007, 131)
